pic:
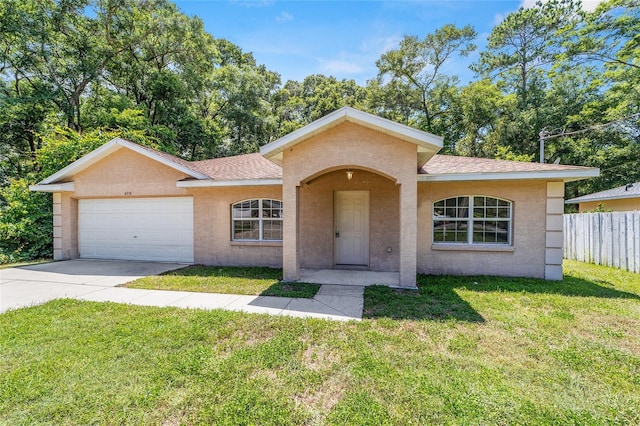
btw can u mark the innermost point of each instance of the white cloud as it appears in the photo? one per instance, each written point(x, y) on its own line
point(340, 67)
point(587, 5)
point(284, 17)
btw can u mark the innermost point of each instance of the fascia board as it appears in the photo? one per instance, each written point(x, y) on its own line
point(54, 187)
point(565, 175)
point(208, 183)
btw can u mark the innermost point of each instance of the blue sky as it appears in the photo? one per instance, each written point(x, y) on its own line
point(341, 38)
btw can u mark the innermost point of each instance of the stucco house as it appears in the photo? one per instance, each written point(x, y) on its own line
point(348, 191)
point(624, 198)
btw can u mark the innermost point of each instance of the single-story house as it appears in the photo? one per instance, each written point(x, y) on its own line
point(624, 198)
point(348, 191)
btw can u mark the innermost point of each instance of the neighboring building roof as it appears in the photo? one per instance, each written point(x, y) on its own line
point(455, 168)
point(427, 144)
point(625, 191)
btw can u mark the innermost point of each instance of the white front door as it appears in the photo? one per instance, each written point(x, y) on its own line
point(351, 223)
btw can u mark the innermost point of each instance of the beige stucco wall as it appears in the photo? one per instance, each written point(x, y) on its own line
point(400, 209)
point(526, 259)
point(353, 146)
point(65, 226)
point(126, 173)
point(623, 205)
point(212, 225)
point(317, 219)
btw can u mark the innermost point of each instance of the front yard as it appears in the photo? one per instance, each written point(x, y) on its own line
point(461, 351)
point(227, 280)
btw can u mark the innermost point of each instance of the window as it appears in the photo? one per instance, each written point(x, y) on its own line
point(488, 223)
point(257, 220)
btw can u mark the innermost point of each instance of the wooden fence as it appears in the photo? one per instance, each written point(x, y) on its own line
point(611, 239)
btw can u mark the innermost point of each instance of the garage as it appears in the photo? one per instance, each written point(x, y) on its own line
point(153, 229)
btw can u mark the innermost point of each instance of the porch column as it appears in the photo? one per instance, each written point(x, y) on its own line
point(408, 230)
point(291, 234)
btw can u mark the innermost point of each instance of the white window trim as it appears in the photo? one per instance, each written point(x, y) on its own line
point(470, 221)
point(259, 219)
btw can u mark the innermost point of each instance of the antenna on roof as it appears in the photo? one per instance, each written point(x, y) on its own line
point(629, 185)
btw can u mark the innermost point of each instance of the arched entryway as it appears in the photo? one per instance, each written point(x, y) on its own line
point(349, 223)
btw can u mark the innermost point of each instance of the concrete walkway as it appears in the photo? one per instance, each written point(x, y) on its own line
point(97, 280)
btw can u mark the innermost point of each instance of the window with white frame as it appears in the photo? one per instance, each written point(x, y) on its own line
point(475, 219)
point(256, 220)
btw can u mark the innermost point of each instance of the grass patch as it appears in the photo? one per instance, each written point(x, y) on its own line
point(26, 263)
point(440, 297)
point(502, 351)
point(227, 280)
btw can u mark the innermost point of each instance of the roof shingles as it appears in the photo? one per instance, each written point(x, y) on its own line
point(625, 191)
point(449, 164)
point(255, 166)
point(247, 166)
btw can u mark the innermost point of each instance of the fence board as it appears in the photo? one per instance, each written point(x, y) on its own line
point(611, 239)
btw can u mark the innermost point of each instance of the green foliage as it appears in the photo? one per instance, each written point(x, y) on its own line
point(25, 223)
point(599, 209)
point(412, 74)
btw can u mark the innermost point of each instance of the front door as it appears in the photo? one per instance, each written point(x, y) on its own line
point(351, 233)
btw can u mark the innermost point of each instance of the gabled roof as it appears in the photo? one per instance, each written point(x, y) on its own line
point(455, 168)
point(427, 144)
point(114, 145)
point(247, 166)
point(631, 190)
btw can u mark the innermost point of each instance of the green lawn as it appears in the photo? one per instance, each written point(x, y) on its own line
point(26, 263)
point(227, 280)
point(460, 351)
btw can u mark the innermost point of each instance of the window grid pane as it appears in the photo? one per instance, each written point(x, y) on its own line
point(256, 220)
point(490, 220)
point(272, 230)
point(246, 230)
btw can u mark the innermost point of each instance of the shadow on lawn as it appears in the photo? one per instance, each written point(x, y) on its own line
point(431, 302)
point(569, 286)
point(438, 300)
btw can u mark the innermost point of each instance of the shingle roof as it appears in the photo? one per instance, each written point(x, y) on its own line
point(448, 164)
point(247, 166)
point(255, 166)
point(625, 191)
point(238, 167)
point(168, 157)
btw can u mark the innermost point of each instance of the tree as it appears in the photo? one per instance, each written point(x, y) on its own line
point(415, 70)
point(519, 57)
point(300, 103)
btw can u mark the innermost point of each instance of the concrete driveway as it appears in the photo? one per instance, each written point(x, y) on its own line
point(94, 280)
point(36, 284)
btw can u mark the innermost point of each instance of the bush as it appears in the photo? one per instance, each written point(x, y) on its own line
point(26, 225)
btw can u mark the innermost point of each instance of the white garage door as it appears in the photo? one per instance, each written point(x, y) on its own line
point(158, 229)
